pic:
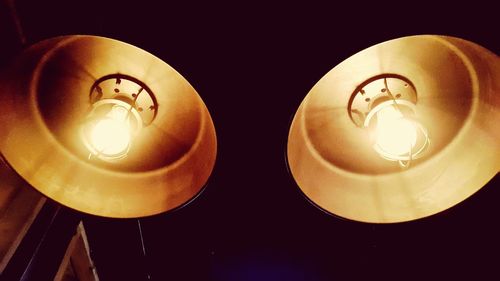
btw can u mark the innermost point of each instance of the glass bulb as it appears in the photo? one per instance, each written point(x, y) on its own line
point(111, 135)
point(394, 134)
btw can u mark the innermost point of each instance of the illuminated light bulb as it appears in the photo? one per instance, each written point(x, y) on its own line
point(394, 134)
point(397, 137)
point(111, 135)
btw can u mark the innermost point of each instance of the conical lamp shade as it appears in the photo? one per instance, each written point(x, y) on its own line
point(457, 100)
point(46, 96)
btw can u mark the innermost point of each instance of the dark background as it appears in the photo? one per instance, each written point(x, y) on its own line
point(253, 63)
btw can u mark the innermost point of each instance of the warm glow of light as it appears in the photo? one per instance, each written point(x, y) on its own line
point(394, 135)
point(111, 136)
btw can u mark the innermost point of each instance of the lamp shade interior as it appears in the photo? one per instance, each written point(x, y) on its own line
point(47, 96)
point(457, 86)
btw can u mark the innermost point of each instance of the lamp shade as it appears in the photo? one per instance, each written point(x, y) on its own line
point(456, 99)
point(47, 94)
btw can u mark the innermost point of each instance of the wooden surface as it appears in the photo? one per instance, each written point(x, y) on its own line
point(19, 205)
point(77, 264)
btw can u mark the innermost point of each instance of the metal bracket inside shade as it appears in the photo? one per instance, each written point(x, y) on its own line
point(375, 90)
point(128, 89)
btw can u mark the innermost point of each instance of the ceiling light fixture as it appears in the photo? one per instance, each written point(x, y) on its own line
point(400, 131)
point(104, 127)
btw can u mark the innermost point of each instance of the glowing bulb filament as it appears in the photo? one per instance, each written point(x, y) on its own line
point(110, 137)
point(394, 134)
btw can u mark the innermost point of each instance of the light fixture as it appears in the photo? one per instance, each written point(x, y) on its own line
point(400, 131)
point(104, 127)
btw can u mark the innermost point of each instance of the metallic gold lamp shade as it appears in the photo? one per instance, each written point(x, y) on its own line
point(457, 87)
point(46, 95)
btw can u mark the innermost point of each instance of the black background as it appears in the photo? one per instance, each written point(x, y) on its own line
point(253, 63)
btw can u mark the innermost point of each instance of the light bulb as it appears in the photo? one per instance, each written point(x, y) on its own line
point(111, 136)
point(394, 134)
